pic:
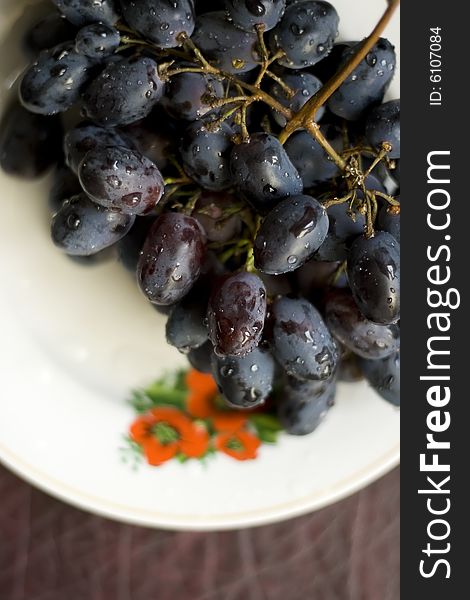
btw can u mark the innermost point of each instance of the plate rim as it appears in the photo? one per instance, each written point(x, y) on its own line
point(157, 520)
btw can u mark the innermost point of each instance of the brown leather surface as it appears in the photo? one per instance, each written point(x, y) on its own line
point(50, 551)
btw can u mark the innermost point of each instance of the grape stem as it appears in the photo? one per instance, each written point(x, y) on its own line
point(307, 113)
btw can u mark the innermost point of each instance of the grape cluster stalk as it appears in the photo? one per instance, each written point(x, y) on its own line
point(244, 167)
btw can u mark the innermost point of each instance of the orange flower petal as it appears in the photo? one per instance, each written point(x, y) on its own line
point(228, 422)
point(201, 383)
point(173, 417)
point(249, 442)
point(157, 453)
point(195, 443)
point(140, 428)
point(200, 406)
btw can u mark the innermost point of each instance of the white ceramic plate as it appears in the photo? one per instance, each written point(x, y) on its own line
point(75, 340)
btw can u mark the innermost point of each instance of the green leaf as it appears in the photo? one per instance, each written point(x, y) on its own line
point(265, 422)
point(140, 401)
point(160, 393)
point(268, 437)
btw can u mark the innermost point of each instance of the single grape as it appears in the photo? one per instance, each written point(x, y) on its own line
point(315, 275)
point(186, 327)
point(305, 85)
point(290, 234)
point(308, 157)
point(236, 313)
point(200, 358)
point(383, 125)
point(172, 258)
point(188, 96)
point(245, 382)
point(301, 342)
point(358, 334)
point(224, 45)
point(53, 83)
point(154, 137)
point(342, 231)
point(29, 143)
point(384, 376)
point(306, 33)
point(389, 220)
point(374, 277)
point(205, 154)
point(82, 228)
point(121, 179)
point(85, 137)
point(97, 40)
point(160, 21)
point(367, 84)
point(65, 184)
point(50, 31)
point(124, 92)
point(264, 173)
point(248, 14)
point(81, 12)
point(130, 247)
point(304, 404)
point(214, 211)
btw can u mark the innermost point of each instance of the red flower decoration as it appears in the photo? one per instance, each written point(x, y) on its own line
point(241, 445)
point(164, 432)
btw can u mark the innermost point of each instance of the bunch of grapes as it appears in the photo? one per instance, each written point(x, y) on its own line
point(245, 169)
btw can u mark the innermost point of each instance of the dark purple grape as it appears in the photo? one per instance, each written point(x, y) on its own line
point(171, 259)
point(367, 84)
point(290, 234)
point(389, 220)
point(81, 12)
point(53, 83)
point(304, 404)
point(211, 211)
point(200, 358)
point(205, 154)
point(130, 247)
point(374, 277)
point(160, 21)
point(65, 184)
point(383, 125)
point(97, 40)
point(301, 342)
point(85, 137)
point(82, 228)
point(29, 143)
point(358, 334)
point(121, 179)
point(308, 157)
point(224, 45)
point(342, 231)
point(154, 137)
point(124, 92)
point(305, 86)
point(50, 31)
point(186, 328)
point(264, 173)
point(384, 376)
point(245, 382)
point(315, 275)
point(248, 14)
point(306, 33)
point(188, 96)
point(236, 313)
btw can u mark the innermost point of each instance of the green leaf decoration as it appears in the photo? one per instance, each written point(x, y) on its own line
point(265, 421)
